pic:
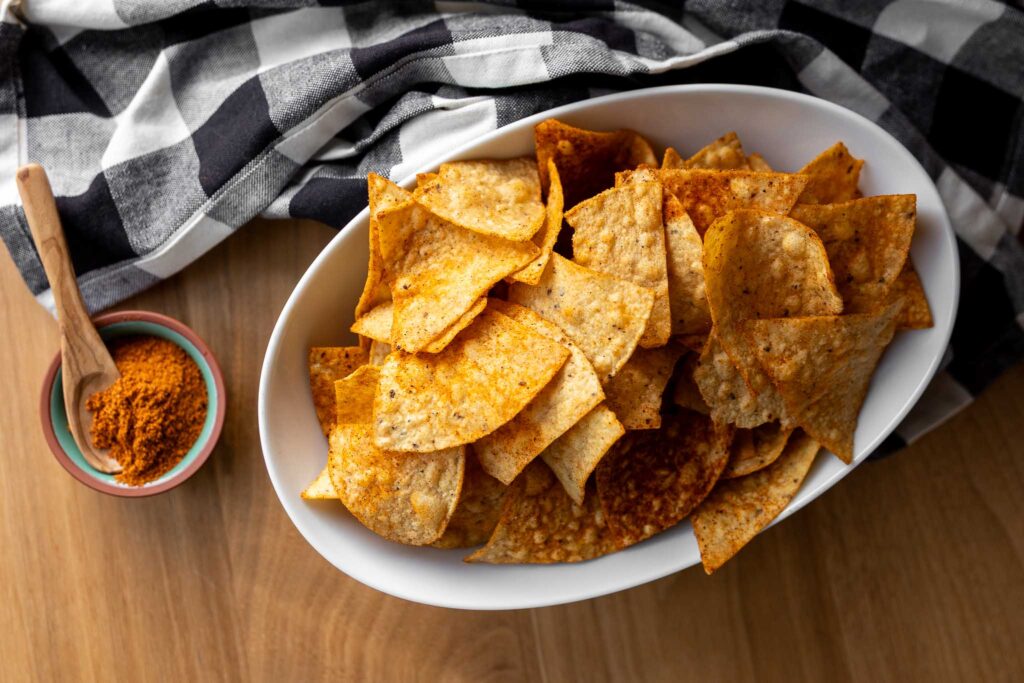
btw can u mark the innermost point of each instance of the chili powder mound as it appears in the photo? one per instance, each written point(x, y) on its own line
point(152, 415)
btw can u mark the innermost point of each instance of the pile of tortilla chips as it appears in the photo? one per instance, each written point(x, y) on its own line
point(509, 396)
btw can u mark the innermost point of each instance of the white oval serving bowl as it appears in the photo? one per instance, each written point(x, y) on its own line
point(788, 129)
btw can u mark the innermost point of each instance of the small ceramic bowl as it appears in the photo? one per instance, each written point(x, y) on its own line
point(130, 324)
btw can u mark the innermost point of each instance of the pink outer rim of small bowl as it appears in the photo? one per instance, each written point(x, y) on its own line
point(136, 491)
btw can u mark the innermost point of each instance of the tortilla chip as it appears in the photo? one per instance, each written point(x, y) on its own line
point(478, 509)
point(354, 395)
point(482, 380)
point(688, 302)
point(636, 390)
point(650, 481)
point(672, 159)
point(694, 342)
point(575, 454)
point(587, 160)
point(867, 241)
point(739, 508)
point(384, 195)
point(754, 449)
point(822, 368)
point(320, 488)
point(375, 324)
point(571, 394)
point(725, 153)
point(402, 497)
point(706, 195)
point(686, 394)
point(604, 315)
point(327, 364)
point(438, 271)
point(832, 176)
point(548, 235)
point(423, 179)
point(464, 321)
point(916, 315)
point(726, 393)
point(378, 352)
point(620, 232)
point(500, 198)
point(540, 524)
point(757, 163)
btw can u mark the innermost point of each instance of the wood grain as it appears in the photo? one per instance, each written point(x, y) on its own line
point(911, 569)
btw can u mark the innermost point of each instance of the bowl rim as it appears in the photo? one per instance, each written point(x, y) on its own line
point(104, 320)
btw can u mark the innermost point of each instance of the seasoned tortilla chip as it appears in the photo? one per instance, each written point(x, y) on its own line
point(548, 235)
point(540, 524)
point(403, 497)
point(572, 393)
point(384, 195)
point(649, 481)
point(867, 241)
point(822, 368)
point(754, 449)
point(320, 488)
point(725, 153)
point(602, 314)
point(437, 271)
point(832, 176)
point(688, 302)
point(757, 163)
point(672, 159)
point(620, 232)
point(575, 454)
point(587, 160)
point(354, 395)
point(739, 508)
point(694, 342)
point(500, 198)
point(327, 364)
point(423, 179)
point(726, 393)
point(378, 352)
point(479, 382)
point(916, 315)
point(478, 509)
point(686, 394)
point(634, 393)
point(706, 195)
point(464, 321)
point(375, 324)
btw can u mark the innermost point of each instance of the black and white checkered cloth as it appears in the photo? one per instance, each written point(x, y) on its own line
point(167, 124)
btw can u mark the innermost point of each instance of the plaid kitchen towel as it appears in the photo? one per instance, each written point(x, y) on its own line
point(167, 124)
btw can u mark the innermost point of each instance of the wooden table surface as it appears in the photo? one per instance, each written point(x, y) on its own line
point(911, 569)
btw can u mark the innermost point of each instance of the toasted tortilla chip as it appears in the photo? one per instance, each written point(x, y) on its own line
point(726, 393)
point(437, 271)
point(725, 153)
point(354, 395)
point(754, 449)
point(916, 315)
point(688, 302)
point(403, 497)
point(575, 454)
point(635, 392)
point(572, 393)
point(706, 195)
point(833, 176)
point(482, 380)
point(500, 198)
point(694, 342)
point(649, 481)
point(384, 195)
point(320, 488)
point(424, 179)
point(822, 368)
point(375, 324)
point(587, 160)
point(548, 235)
point(327, 364)
point(672, 159)
point(757, 163)
point(739, 508)
point(604, 315)
point(540, 524)
point(464, 321)
point(686, 394)
point(867, 241)
point(478, 510)
point(378, 352)
point(620, 232)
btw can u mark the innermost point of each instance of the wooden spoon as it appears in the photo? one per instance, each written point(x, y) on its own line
point(86, 365)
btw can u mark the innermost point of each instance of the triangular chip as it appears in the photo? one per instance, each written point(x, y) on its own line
point(587, 160)
point(478, 509)
point(575, 454)
point(500, 198)
point(375, 324)
point(739, 508)
point(688, 302)
point(320, 488)
point(572, 393)
point(706, 195)
point(916, 315)
point(354, 395)
point(650, 481)
point(603, 314)
point(540, 524)
point(620, 232)
point(384, 195)
point(378, 352)
point(867, 241)
point(437, 271)
point(822, 368)
point(672, 159)
point(726, 393)
point(546, 238)
point(327, 364)
point(757, 163)
point(488, 374)
point(832, 176)
point(724, 154)
point(754, 449)
point(635, 392)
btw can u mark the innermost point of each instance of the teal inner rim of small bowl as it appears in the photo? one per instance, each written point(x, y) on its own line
point(135, 328)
